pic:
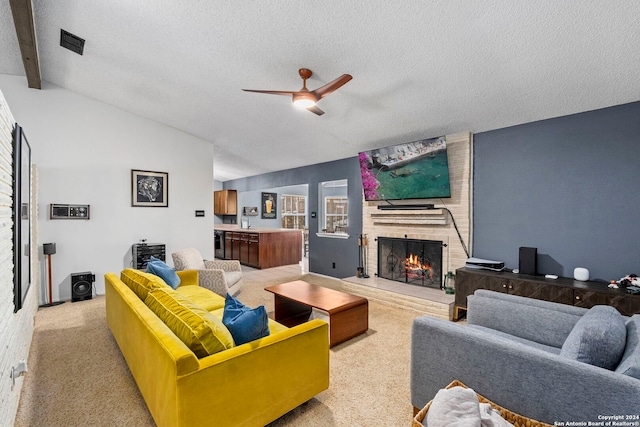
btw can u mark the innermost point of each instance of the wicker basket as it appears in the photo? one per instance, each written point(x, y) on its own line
point(513, 418)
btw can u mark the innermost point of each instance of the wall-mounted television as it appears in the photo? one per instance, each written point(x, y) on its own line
point(413, 170)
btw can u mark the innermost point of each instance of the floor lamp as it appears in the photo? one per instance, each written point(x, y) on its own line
point(50, 249)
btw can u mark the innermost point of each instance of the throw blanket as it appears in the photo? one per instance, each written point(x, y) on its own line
point(459, 407)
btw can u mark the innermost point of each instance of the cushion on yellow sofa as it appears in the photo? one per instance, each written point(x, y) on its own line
point(140, 282)
point(246, 324)
point(188, 278)
point(202, 297)
point(201, 331)
point(274, 327)
point(159, 268)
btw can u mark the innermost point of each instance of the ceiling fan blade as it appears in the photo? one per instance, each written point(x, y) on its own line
point(272, 92)
point(316, 110)
point(325, 90)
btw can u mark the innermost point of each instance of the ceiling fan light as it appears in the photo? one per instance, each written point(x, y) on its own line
point(304, 101)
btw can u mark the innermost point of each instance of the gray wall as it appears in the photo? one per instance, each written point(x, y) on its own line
point(254, 198)
point(569, 186)
point(323, 252)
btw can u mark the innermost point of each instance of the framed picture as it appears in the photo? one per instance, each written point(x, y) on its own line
point(149, 188)
point(269, 205)
point(250, 211)
point(21, 217)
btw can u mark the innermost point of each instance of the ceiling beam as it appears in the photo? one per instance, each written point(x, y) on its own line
point(22, 11)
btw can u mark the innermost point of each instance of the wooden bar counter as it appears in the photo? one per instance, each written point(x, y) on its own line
point(262, 247)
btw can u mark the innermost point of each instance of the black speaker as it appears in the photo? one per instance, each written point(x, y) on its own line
point(528, 260)
point(81, 286)
point(49, 248)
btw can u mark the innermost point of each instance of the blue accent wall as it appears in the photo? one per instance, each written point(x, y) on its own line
point(323, 252)
point(569, 186)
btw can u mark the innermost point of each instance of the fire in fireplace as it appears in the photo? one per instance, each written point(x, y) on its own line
point(412, 261)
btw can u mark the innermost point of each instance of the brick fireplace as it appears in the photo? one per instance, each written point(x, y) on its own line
point(431, 225)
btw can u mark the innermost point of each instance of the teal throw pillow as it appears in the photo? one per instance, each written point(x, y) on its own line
point(245, 324)
point(159, 268)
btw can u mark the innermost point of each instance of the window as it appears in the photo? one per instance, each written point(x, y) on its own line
point(293, 210)
point(334, 205)
point(336, 214)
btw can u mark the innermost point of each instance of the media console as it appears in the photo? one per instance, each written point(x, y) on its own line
point(562, 290)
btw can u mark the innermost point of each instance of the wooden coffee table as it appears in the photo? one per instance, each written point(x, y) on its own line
point(294, 301)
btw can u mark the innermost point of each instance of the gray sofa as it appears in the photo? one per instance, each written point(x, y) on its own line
point(524, 355)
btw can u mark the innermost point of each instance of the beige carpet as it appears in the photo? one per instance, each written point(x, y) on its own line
point(77, 376)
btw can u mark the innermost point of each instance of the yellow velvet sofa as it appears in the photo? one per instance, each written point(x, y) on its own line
point(247, 385)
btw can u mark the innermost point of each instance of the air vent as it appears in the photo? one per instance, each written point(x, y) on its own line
point(71, 42)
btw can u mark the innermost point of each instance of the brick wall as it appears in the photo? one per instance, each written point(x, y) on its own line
point(16, 329)
point(430, 225)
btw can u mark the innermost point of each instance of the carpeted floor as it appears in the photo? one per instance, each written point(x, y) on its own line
point(78, 377)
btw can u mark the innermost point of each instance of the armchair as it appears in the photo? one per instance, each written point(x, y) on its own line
point(221, 277)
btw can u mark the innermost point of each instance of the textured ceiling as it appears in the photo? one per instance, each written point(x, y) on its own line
point(420, 68)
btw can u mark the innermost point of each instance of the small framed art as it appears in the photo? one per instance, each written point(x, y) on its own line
point(250, 211)
point(149, 188)
point(269, 205)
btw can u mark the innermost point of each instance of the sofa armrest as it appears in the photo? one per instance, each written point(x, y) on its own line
point(228, 265)
point(188, 277)
point(525, 380)
point(260, 380)
point(213, 280)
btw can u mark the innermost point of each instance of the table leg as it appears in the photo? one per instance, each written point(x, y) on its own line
point(290, 313)
point(349, 323)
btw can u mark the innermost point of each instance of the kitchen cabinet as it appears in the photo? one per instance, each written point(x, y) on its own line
point(253, 250)
point(225, 202)
point(231, 246)
point(262, 248)
point(248, 244)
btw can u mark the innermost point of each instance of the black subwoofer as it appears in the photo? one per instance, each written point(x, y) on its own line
point(81, 286)
point(528, 261)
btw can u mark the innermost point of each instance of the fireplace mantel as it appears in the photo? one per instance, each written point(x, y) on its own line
point(410, 217)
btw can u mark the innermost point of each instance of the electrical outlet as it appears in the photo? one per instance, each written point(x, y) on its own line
point(18, 371)
point(22, 366)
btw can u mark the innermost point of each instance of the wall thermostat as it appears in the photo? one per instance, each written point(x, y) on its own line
point(59, 211)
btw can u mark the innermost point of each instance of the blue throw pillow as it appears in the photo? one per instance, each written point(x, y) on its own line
point(163, 271)
point(245, 324)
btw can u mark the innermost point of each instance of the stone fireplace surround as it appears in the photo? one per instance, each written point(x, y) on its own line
point(434, 224)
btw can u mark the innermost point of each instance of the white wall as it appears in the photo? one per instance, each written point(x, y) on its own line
point(85, 151)
point(16, 329)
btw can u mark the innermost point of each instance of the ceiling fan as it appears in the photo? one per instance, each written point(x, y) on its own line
point(305, 98)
